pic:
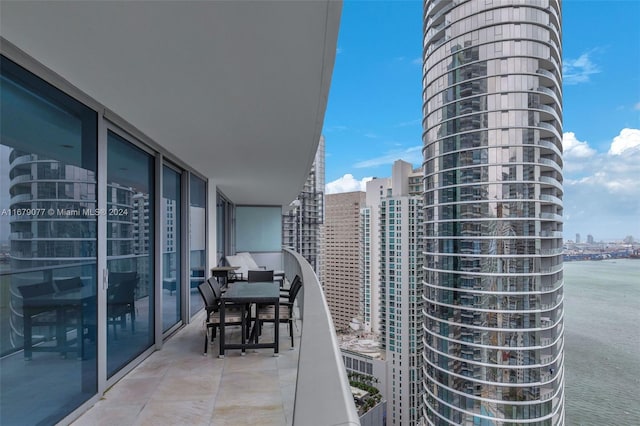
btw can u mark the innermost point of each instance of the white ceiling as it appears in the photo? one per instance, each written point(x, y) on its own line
point(237, 90)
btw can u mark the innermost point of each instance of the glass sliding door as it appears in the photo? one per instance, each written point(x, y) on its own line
point(170, 226)
point(48, 245)
point(197, 240)
point(130, 252)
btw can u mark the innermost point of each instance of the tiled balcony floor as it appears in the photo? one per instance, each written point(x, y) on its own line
point(180, 386)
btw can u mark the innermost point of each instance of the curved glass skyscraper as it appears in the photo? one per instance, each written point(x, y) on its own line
point(493, 301)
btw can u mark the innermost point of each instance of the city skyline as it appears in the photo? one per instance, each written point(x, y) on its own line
point(374, 113)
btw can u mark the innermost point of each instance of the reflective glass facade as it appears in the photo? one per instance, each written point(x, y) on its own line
point(86, 288)
point(493, 298)
point(130, 252)
point(48, 255)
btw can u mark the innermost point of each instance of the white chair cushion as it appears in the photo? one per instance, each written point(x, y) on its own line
point(229, 316)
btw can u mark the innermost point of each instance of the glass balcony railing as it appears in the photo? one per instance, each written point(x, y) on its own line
point(20, 178)
point(20, 198)
point(551, 199)
point(550, 164)
point(551, 181)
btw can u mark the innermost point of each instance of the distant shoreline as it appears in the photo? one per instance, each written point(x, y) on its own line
point(598, 256)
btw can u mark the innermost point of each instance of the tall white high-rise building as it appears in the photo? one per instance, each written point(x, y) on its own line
point(370, 216)
point(392, 277)
point(493, 286)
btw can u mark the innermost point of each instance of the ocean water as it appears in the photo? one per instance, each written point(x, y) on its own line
point(602, 342)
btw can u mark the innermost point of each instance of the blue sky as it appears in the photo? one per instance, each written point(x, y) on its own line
point(375, 108)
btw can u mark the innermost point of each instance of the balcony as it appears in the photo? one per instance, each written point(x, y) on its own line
point(549, 96)
point(551, 199)
point(20, 198)
point(551, 181)
point(177, 385)
point(22, 159)
point(546, 165)
point(19, 179)
point(549, 144)
point(548, 129)
point(198, 124)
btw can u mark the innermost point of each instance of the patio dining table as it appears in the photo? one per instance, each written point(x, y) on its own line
point(246, 294)
point(223, 272)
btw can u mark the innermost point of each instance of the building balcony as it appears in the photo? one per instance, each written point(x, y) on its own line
point(551, 199)
point(20, 198)
point(551, 181)
point(19, 179)
point(548, 95)
point(160, 336)
point(547, 164)
point(551, 234)
point(548, 129)
point(22, 159)
point(178, 385)
point(551, 146)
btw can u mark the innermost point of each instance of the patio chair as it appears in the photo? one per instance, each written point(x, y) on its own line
point(293, 288)
point(233, 316)
point(121, 299)
point(215, 286)
point(267, 313)
point(278, 275)
point(260, 276)
point(217, 292)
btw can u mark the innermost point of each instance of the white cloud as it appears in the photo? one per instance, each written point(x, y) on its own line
point(637, 106)
point(346, 183)
point(411, 155)
point(627, 141)
point(417, 61)
point(573, 148)
point(602, 189)
point(575, 71)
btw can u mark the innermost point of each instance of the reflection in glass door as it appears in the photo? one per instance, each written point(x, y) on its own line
point(130, 248)
point(170, 226)
point(48, 166)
